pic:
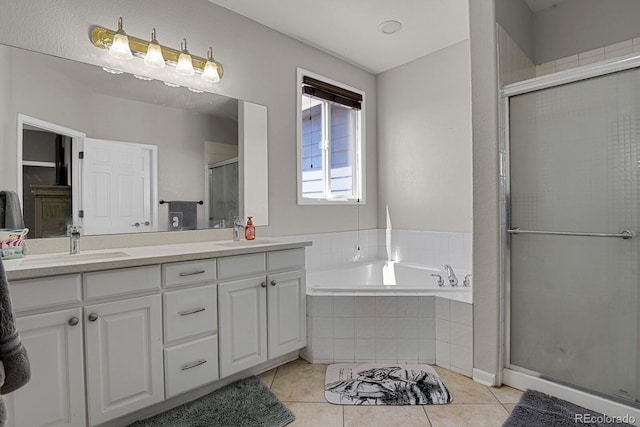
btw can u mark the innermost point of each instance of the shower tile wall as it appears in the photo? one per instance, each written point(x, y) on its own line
point(419, 247)
point(617, 50)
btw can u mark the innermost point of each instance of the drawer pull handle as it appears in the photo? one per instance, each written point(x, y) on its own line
point(193, 364)
point(93, 317)
point(191, 273)
point(74, 321)
point(263, 284)
point(194, 311)
point(273, 283)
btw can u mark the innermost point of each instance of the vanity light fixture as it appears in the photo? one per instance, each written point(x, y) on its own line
point(120, 47)
point(154, 57)
point(155, 54)
point(210, 72)
point(185, 64)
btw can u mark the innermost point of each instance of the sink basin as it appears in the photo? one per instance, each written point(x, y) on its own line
point(68, 258)
point(240, 243)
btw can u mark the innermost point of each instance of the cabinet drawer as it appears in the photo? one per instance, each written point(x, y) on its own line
point(189, 312)
point(123, 281)
point(241, 265)
point(43, 292)
point(190, 365)
point(285, 260)
point(183, 273)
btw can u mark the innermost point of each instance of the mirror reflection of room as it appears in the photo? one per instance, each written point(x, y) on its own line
point(46, 182)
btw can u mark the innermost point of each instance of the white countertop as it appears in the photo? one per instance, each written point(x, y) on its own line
point(54, 264)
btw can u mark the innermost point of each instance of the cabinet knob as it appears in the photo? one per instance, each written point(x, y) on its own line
point(263, 284)
point(273, 283)
point(93, 317)
point(74, 321)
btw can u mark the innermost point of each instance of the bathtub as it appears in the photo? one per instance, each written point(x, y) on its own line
point(380, 278)
point(388, 312)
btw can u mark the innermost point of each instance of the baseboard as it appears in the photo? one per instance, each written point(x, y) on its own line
point(523, 381)
point(484, 378)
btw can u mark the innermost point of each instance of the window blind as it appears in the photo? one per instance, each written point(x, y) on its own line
point(332, 93)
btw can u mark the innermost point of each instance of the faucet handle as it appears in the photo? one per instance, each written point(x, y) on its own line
point(467, 281)
point(440, 280)
point(73, 230)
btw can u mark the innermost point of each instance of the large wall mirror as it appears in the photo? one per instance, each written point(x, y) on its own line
point(104, 150)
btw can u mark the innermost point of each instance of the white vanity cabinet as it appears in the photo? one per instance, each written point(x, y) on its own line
point(54, 344)
point(110, 343)
point(262, 316)
point(123, 357)
point(55, 393)
point(190, 325)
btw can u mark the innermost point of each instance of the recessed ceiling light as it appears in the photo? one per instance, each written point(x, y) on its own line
point(195, 90)
point(171, 84)
point(390, 27)
point(139, 77)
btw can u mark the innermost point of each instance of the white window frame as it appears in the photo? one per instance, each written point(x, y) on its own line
point(359, 167)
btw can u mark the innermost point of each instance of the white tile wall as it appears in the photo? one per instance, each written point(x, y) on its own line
point(616, 50)
point(454, 335)
point(426, 329)
point(429, 248)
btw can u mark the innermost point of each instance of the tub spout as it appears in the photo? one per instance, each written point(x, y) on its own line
point(453, 280)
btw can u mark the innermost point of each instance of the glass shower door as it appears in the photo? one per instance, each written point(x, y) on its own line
point(574, 299)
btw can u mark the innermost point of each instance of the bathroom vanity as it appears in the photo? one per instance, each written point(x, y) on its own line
point(117, 335)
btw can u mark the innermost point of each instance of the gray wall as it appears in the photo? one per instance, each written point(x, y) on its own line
point(576, 26)
point(516, 19)
point(486, 216)
point(260, 66)
point(424, 133)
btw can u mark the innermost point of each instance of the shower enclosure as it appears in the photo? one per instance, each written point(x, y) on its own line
point(573, 199)
point(223, 193)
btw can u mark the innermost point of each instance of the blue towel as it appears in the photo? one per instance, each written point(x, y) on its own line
point(10, 210)
point(15, 369)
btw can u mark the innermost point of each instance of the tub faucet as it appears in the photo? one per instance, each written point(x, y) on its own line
point(74, 243)
point(440, 281)
point(453, 280)
point(238, 228)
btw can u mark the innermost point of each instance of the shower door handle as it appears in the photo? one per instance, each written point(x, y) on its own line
point(624, 234)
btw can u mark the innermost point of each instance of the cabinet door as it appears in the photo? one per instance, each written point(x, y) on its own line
point(55, 393)
point(123, 357)
point(242, 324)
point(287, 312)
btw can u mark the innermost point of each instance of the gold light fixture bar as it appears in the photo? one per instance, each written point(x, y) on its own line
point(103, 38)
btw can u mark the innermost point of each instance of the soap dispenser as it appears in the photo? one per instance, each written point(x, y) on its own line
point(249, 229)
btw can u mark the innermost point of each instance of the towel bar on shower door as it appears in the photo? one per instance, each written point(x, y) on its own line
point(624, 234)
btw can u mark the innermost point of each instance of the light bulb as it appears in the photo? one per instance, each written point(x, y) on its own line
point(210, 72)
point(154, 57)
point(185, 66)
point(120, 47)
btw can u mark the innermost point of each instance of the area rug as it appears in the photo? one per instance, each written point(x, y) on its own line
point(538, 409)
point(244, 403)
point(382, 384)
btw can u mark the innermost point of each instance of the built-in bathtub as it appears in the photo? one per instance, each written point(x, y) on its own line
point(388, 312)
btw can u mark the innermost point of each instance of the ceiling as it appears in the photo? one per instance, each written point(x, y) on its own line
point(349, 29)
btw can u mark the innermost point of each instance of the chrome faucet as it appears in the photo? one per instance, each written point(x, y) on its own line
point(453, 280)
point(440, 281)
point(238, 228)
point(74, 234)
point(467, 281)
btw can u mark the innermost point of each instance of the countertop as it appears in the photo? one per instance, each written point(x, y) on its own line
point(54, 264)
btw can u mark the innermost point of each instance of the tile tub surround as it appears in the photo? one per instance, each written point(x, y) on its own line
point(381, 329)
point(430, 248)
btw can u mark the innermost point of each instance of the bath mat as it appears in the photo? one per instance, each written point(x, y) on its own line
point(384, 384)
point(244, 403)
point(538, 409)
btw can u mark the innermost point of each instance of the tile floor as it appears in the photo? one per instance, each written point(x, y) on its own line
point(300, 386)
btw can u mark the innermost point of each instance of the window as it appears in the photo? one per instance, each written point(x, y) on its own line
point(330, 141)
